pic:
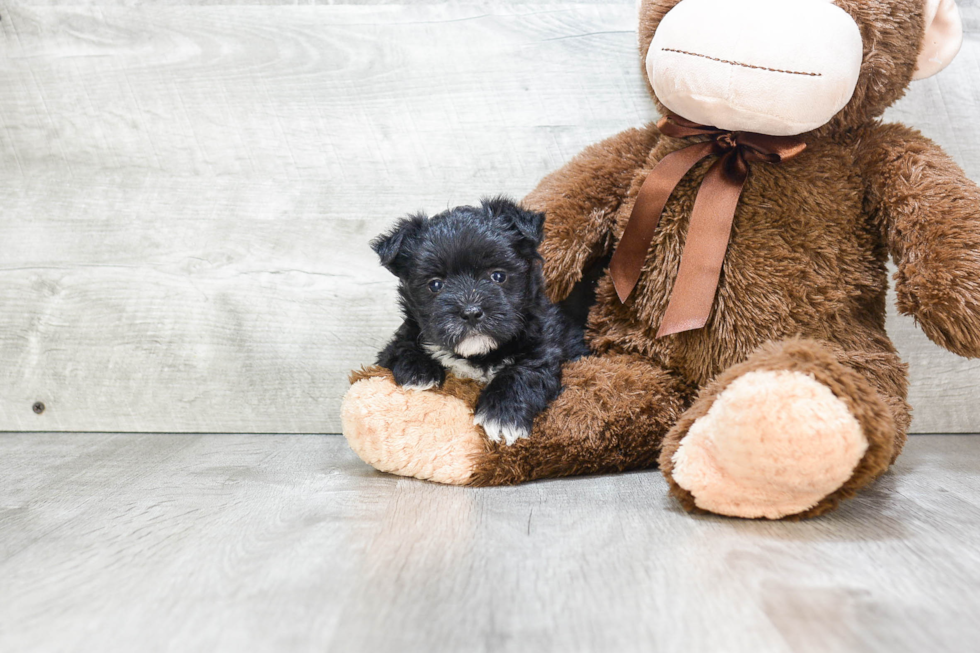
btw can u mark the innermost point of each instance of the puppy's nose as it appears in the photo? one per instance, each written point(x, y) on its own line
point(472, 313)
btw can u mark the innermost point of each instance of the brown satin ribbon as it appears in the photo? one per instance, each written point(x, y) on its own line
point(711, 220)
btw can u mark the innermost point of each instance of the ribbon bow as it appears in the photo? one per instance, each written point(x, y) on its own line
point(711, 220)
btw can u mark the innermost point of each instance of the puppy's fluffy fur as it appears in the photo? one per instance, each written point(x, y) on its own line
point(473, 298)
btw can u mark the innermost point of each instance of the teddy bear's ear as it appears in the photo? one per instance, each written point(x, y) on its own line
point(528, 224)
point(943, 37)
point(394, 248)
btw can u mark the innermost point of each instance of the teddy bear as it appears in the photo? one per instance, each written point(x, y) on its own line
point(733, 256)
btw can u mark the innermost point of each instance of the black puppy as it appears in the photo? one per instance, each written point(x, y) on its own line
point(473, 298)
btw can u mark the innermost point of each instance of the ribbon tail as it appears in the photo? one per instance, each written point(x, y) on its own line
point(631, 252)
point(705, 247)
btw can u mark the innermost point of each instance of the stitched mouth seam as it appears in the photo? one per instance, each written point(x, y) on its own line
point(743, 65)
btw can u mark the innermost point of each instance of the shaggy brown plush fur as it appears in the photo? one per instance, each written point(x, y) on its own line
point(610, 418)
point(611, 440)
point(803, 287)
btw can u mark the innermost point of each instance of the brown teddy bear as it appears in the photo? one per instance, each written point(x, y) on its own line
point(738, 330)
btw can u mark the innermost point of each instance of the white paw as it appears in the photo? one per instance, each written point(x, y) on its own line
point(419, 386)
point(496, 431)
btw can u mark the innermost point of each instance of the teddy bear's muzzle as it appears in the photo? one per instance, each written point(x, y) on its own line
point(777, 67)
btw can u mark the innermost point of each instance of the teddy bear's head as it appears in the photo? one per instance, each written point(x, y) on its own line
point(785, 67)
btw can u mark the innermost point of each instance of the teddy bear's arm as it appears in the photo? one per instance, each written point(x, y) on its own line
point(580, 201)
point(929, 213)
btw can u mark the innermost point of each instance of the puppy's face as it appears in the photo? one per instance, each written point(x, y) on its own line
point(467, 274)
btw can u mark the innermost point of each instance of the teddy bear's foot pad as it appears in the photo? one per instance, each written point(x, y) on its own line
point(773, 444)
point(439, 443)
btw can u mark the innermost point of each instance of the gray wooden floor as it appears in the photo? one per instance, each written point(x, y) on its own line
point(114, 542)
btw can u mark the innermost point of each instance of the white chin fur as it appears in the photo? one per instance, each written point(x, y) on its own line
point(476, 345)
point(497, 431)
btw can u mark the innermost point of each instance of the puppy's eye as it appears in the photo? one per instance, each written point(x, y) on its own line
point(435, 285)
point(498, 276)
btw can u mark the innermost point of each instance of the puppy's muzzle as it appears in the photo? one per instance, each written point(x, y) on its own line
point(472, 313)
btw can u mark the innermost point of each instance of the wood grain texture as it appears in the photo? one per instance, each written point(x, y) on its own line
point(289, 543)
point(187, 191)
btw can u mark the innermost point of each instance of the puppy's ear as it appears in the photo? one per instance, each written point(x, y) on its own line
point(395, 247)
point(529, 225)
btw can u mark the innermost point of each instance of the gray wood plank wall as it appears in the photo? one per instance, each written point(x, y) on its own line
point(187, 191)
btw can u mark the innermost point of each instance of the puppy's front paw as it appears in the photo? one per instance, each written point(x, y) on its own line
point(506, 413)
point(418, 374)
point(498, 430)
point(501, 418)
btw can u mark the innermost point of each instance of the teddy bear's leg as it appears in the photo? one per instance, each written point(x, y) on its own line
point(427, 434)
point(611, 416)
point(790, 432)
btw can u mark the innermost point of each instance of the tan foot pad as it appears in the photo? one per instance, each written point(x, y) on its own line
point(411, 432)
point(772, 444)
